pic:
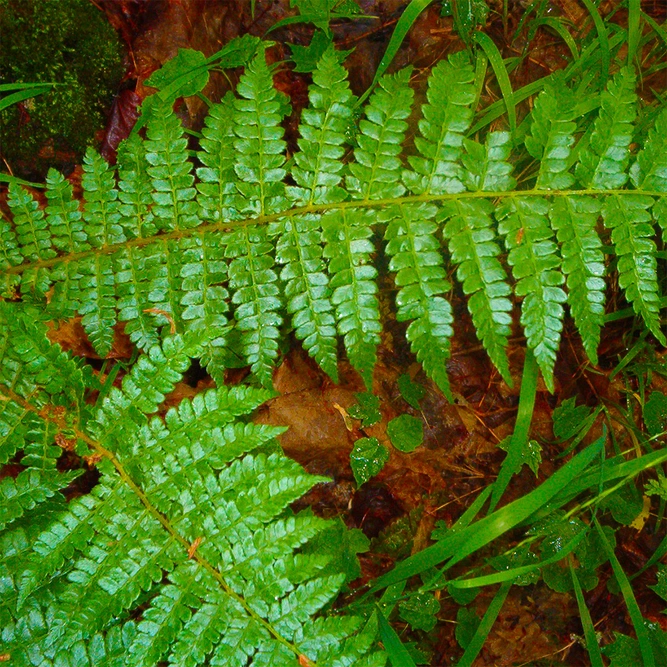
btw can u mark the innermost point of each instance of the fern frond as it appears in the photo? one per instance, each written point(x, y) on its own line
point(469, 230)
point(632, 234)
point(604, 161)
point(134, 189)
point(190, 526)
point(205, 300)
point(318, 168)
point(259, 144)
point(446, 117)
point(216, 177)
point(31, 487)
point(101, 211)
point(487, 167)
point(96, 285)
point(421, 279)
point(30, 224)
point(649, 171)
point(575, 219)
point(259, 168)
point(256, 297)
point(374, 174)
point(317, 172)
point(64, 219)
point(170, 170)
point(552, 135)
point(533, 256)
point(156, 248)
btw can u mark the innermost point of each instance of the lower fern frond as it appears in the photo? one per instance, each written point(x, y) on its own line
point(189, 526)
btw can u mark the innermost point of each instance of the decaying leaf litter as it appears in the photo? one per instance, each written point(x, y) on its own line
point(434, 483)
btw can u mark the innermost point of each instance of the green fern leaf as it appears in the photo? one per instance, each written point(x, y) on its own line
point(318, 168)
point(256, 297)
point(603, 162)
point(446, 117)
point(216, 177)
point(30, 224)
point(374, 174)
point(101, 212)
point(259, 168)
point(259, 145)
point(31, 487)
point(9, 246)
point(132, 290)
point(649, 171)
point(97, 305)
point(170, 170)
point(317, 171)
point(575, 220)
point(533, 256)
point(134, 189)
point(486, 167)
point(205, 300)
point(64, 219)
point(188, 526)
point(552, 135)
point(307, 290)
point(421, 279)
point(469, 230)
point(632, 233)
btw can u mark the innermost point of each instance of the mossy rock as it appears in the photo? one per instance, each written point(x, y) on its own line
point(69, 42)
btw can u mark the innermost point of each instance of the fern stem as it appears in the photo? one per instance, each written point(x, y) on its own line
point(317, 209)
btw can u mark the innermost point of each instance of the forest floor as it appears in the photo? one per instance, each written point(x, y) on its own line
point(399, 508)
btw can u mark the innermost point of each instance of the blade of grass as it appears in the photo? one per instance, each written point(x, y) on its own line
point(481, 63)
point(630, 601)
point(584, 63)
point(21, 95)
point(660, 551)
point(408, 17)
point(657, 28)
point(611, 470)
point(634, 29)
point(466, 518)
point(485, 626)
point(512, 574)
point(398, 654)
point(586, 621)
point(603, 37)
point(459, 544)
point(8, 178)
point(496, 60)
point(557, 26)
point(521, 428)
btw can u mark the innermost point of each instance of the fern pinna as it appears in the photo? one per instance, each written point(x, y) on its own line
point(248, 244)
point(186, 550)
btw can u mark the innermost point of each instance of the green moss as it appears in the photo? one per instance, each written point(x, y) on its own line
point(69, 42)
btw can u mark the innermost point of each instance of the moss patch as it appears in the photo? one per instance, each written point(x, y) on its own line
point(65, 41)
